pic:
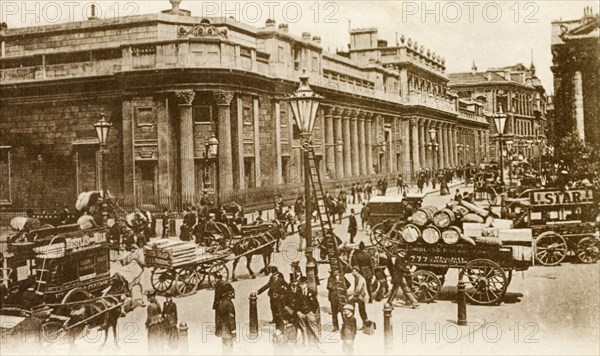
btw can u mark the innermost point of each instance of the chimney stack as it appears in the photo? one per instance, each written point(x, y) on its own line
point(306, 36)
point(93, 15)
point(270, 23)
point(283, 27)
point(317, 39)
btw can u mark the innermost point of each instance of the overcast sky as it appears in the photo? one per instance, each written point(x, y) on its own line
point(492, 33)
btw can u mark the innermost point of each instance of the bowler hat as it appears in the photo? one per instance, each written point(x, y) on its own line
point(227, 288)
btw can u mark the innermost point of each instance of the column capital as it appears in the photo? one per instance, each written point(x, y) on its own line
point(346, 112)
point(354, 113)
point(185, 97)
point(328, 110)
point(367, 115)
point(413, 121)
point(336, 111)
point(223, 97)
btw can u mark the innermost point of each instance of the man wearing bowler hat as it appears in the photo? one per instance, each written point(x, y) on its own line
point(226, 326)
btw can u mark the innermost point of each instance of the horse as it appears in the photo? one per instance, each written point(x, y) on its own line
point(260, 244)
point(335, 207)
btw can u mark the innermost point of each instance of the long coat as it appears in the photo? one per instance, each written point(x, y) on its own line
point(225, 326)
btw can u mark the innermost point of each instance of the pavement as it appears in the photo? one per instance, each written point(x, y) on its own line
point(547, 310)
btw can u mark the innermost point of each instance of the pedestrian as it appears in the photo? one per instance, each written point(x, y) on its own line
point(154, 325)
point(226, 327)
point(353, 193)
point(365, 214)
point(165, 224)
point(364, 262)
point(401, 278)
point(400, 183)
point(296, 273)
point(307, 312)
point(169, 314)
point(259, 220)
point(348, 333)
point(219, 283)
point(334, 297)
point(360, 193)
point(352, 226)
point(289, 219)
point(277, 287)
point(421, 182)
point(360, 295)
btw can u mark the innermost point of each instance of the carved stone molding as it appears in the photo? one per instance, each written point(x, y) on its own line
point(185, 97)
point(346, 112)
point(223, 97)
point(203, 29)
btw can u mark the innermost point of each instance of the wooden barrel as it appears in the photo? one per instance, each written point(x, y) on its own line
point(451, 235)
point(424, 215)
point(443, 218)
point(431, 235)
point(411, 233)
point(460, 210)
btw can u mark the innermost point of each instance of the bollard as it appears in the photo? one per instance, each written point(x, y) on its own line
point(462, 302)
point(311, 276)
point(182, 330)
point(388, 331)
point(253, 316)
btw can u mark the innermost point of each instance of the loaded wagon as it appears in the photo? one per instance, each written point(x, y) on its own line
point(466, 237)
point(563, 222)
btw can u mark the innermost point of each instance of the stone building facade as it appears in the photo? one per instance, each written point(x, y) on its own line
point(576, 69)
point(520, 94)
point(170, 81)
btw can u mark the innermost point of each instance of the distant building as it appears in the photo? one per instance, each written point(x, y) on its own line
point(522, 97)
point(575, 52)
point(170, 81)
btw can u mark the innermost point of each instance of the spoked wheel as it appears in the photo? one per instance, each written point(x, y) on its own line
point(187, 281)
point(588, 250)
point(485, 282)
point(221, 269)
point(201, 273)
point(378, 234)
point(551, 249)
point(492, 196)
point(162, 279)
point(53, 332)
point(425, 285)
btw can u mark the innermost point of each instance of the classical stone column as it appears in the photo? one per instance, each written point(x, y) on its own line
point(186, 145)
point(414, 123)
point(223, 100)
point(440, 151)
point(421, 144)
point(406, 168)
point(330, 143)
point(455, 148)
point(339, 158)
point(362, 145)
point(447, 143)
point(354, 143)
point(369, 137)
point(578, 105)
point(347, 143)
point(278, 162)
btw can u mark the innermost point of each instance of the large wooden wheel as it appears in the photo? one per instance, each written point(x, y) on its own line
point(388, 240)
point(425, 285)
point(188, 281)
point(218, 268)
point(378, 234)
point(492, 196)
point(485, 282)
point(588, 250)
point(551, 249)
point(162, 279)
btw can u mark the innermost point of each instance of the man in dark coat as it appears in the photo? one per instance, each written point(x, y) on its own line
point(401, 278)
point(219, 283)
point(307, 312)
point(333, 297)
point(189, 218)
point(352, 226)
point(364, 262)
point(365, 214)
point(348, 333)
point(226, 327)
point(169, 314)
point(277, 287)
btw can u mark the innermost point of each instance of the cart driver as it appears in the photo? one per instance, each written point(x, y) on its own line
point(211, 229)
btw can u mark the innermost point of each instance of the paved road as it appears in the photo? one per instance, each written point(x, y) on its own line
point(548, 310)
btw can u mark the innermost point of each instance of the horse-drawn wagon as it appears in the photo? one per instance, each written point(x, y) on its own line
point(563, 222)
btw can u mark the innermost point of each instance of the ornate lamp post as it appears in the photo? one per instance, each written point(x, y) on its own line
point(211, 150)
point(509, 155)
point(305, 103)
point(432, 143)
point(102, 129)
point(500, 122)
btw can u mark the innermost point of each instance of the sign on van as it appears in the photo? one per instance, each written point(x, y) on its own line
point(557, 197)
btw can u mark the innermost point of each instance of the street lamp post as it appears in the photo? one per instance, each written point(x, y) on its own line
point(500, 121)
point(211, 150)
point(102, 129)
point(304, 104)
point(509, 155)
point(431, 145)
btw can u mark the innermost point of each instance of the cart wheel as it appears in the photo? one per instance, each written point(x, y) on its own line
point(201, 272)
point(485, 282)
point(588, 250)
point(492, 196)
point(509, 274)
point(551, 249)
point(426, 286)
point(162, 279)
point(76, 295)
point(188, 281)
point(221, 269)
point(377, 234)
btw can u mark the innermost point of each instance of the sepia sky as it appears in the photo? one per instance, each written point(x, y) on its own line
point(492, 33)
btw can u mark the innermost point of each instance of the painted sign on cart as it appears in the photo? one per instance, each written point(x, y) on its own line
point(557, 197)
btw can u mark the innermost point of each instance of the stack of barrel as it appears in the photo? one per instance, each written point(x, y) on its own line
point(432, 225)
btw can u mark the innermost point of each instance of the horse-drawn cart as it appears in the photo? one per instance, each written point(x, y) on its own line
point(184, 264)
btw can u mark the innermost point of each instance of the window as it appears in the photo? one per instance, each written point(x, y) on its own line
point(281, 54)
point(5, 179)
point(202, 114)
point(315, 64)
